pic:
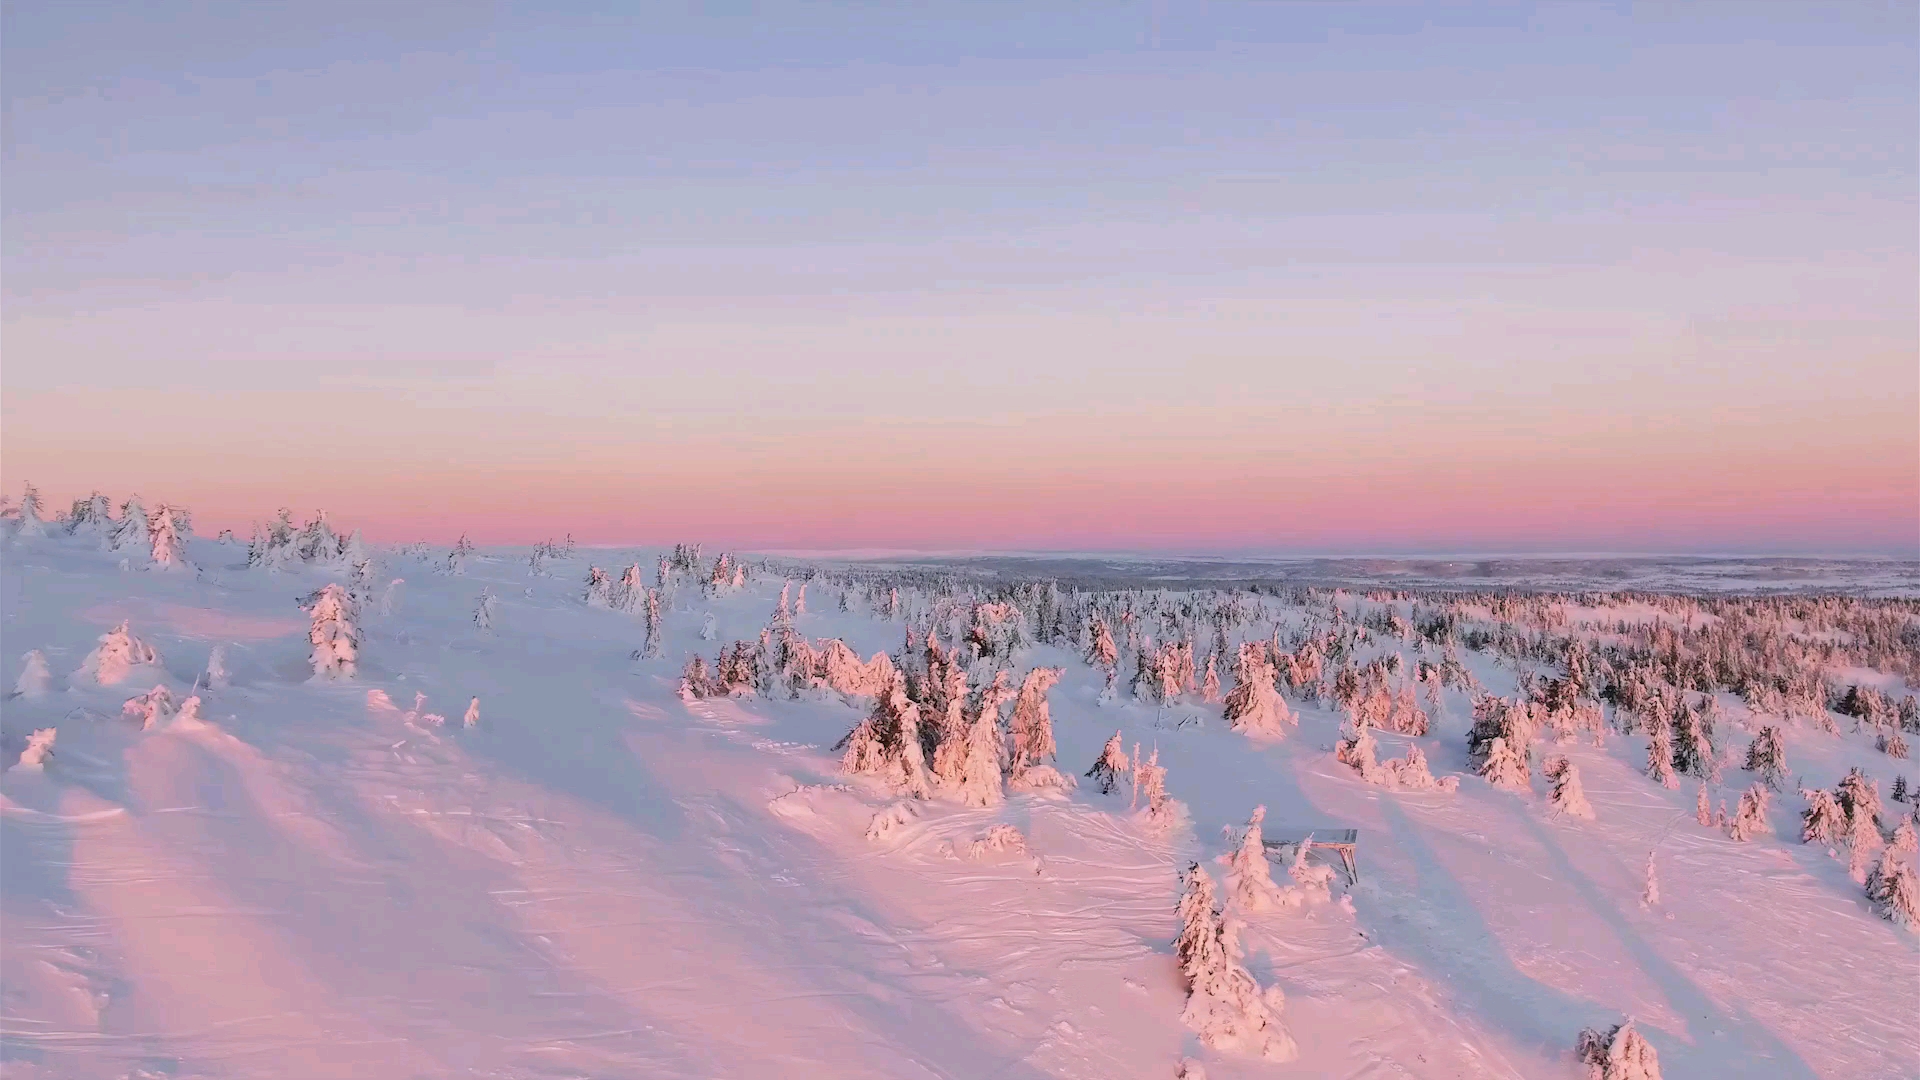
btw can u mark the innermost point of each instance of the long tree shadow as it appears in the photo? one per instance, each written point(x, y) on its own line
point(1732, 1042)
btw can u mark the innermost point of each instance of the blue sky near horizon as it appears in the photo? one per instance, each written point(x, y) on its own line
point(1508, 277)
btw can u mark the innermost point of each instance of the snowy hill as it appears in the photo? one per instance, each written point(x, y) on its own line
point(604, 877)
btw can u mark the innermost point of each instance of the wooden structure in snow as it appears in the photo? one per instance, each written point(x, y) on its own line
point(1340, 841)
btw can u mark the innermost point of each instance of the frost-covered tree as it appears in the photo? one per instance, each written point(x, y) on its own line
point(484, 608)
point(1112, 764)
point(1358, 751)
point(1506, 768)
point(132, 533)
point(1894, 890)
point(1101, 652)
point(335, 634)
point(981, 769)
point(32, 514)
point(1767, 756)
point(1660, 757)
point(599, 592)
point(887, 744)
point(1254, 706)
point(652, 647)
point(34, 679)
point(1750, 818)
point(1620, 1053)
point(1210, 685)
point(1859, 796)
point(1250, 884)
point(118, 653)
point(168, 551)
point(1225, 1007)
point(39, 749)
point(1032, 723)
point(150, 708)
point(91, 516)
point(472, 719)
point(1568, 798)
point(1702, 808)
point(1823, 821)
point(627, 594)
point(1863, 843)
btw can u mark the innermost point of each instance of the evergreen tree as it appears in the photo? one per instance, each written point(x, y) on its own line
point(1112, 763)
point(334, 635)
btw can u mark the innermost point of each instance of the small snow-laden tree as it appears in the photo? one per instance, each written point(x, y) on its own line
point(35, 680)
point(1359, 752)
point(887, 744)
point(982, 769)
point(1891, 743)
point(32, 514)
point(472, 719)
point(317, 542)
point(1863, 843)
point(150, 708)
point(1703, 809)
point(1254, 706)
point(1823, 821)
point(1660, 756)
point(694, 681)
point(1101, 652)
point(1111, 765)
point(1225, 1007)
point(1894, 890)
point(651, 649)
point(1650, 893)
point(1210, 685)
point(1412, 774)
point(1750, 817)
point(1693, 750)
point(1250, 884)
point(484, 607)
point(1032, 723)
point(599, 592)
point(168, 551)
point(1506, 768)
point(91, 516)
point(950, 727)
point(1767, 756)
point(1315, 882)
point(132, 533)
point(335, 634)
point(1620, 1053)
point(39, 749)
point(118, 653)
point(1163, 810)
point(629, 592)
point(1859, 796)
point(1568, 798)
point(1905, 837)
point(800, 601)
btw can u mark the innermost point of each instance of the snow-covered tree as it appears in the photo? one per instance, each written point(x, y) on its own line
point(1250, 884)
point(39, 749)
point(1032, 723)
point(1112, 764)
point(652, 647)
point(1859, 796)
point(472, 719)
point(150, 708)
point(484, 608)
point(334, 634)
point(132, 533)
point(91, 516)
point(1225, 1007)
point(1620, 1053)
point(1254, 706)
point(1506, 768)
point(1823, 821)
point(1660, 757)
point(1750, 818)
point(1568, 798)
point(34, 679)
point(599, 592)
point(118, 653)
point(32, 514)
point(887, 744)
point(1702, 808)
point(1767, 756)
point(981, 769)
point(1210, 685)
point(1101, 652)
point(1894, 890)
point(168, 551)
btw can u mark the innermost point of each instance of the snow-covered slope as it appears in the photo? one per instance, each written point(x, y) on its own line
point(600, 879)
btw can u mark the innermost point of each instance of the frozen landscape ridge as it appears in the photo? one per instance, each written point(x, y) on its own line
point(304, 807)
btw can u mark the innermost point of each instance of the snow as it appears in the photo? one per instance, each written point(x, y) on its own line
point(596, 877)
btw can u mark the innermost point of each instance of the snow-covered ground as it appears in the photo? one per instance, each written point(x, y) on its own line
point(601, 879)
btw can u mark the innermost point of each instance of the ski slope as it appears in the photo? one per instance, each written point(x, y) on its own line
point(600, 879)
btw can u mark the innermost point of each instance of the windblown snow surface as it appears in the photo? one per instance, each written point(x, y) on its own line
point(602, 880)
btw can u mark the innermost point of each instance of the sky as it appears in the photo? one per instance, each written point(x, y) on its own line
point(1288, 278)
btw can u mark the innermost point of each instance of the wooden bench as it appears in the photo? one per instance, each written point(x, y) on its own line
point(1341, 841)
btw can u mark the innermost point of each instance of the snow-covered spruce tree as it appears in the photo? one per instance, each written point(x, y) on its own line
point(1767, 756)
point(91, 516)
point(149, 709)
point(483, 609)
point(1660, 756)
point(1863, 843)
point(35, 679)
point(1905, 837)
point(1150, 779)
point(626, 594)
point(317, 542)
point(168, 551)
point(1032, 731)
point(1750, 819)
point(1894, 890)
point(1702, 808)
point(334, 634)
point(694, 682)
point(472, 719)
point(982, 767)
point(1859, 796)
point(1250, 884)
point(951, 726)
point(1505, 768)
point(1358, 751)
point(599, 592)
point(1568, 798)
point(1225, 1007)
point(32, 514)
point(1101, 652)
point(1621, 1053)
point(1693, 750)
point(887, 744)
point(39, 749)
point(1823, 821)
point(132, 534)
point(1210, 685)
point(1254, 706)
point(118, 653)
point(1890, 743)
point(1112, 764)
point(651, 649)
point(1412, 773)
